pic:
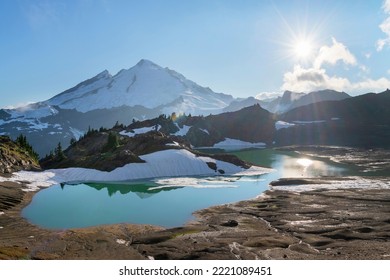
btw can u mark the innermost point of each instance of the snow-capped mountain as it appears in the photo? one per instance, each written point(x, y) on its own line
point(146, 84)
point(144, 91)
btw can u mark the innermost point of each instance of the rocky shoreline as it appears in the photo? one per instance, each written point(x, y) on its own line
point(320, 223)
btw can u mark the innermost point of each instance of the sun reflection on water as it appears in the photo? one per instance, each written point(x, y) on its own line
point(305, 162)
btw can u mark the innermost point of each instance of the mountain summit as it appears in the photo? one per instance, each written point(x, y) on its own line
point(144, 91)
point(145, 84)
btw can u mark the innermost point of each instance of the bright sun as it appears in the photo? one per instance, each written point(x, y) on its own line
point(303, 49)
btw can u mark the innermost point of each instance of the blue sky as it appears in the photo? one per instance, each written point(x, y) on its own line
point(243, 48)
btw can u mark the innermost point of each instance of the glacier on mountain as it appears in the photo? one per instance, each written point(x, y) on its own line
point(145, 84)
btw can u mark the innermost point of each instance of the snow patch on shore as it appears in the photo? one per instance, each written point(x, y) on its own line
point(309, 122)
point(282, 124)
point(167, 163)
point(350, 183)
point(199, 183)
point(235, 143)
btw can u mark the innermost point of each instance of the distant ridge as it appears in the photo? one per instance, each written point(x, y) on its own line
point(362, 121)
point(290, 100)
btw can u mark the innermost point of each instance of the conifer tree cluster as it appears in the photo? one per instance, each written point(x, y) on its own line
point(21, 140)
point(112, 142)
point(59, 153)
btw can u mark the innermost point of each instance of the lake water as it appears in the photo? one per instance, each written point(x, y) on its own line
point(167, 202)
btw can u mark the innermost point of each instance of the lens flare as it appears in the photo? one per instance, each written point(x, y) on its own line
point(303, 49)
point(305, 162)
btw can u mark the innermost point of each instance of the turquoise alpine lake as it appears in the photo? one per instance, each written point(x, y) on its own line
point(166, 202)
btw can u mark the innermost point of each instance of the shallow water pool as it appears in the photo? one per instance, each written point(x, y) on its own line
point(167, 202)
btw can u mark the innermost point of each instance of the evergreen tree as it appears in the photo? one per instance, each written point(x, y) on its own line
point(59, 153)
point(21, 140)
point(72, 141)
point(112, 142)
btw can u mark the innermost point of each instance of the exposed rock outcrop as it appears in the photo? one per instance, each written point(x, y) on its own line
point(15, 158)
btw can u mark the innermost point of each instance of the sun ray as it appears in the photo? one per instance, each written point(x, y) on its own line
point(299, 40)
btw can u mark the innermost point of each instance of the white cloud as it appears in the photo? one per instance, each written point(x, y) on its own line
point(307, 79)
point(386, 6)
point(315, 77)
point(311, 79)
point(19, 105)
point(331, 55)
point(370, 85)
point(385, 27)
point(268, 95)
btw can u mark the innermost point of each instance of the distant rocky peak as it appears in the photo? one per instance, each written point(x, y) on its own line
point(103, 75)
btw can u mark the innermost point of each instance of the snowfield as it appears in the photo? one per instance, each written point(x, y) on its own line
point(141, 130)
point(234, 143)
point(167, 163)
point(308, 122)
point(182, 131)
point(282, 124)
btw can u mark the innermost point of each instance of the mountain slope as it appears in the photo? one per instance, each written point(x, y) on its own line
point(141, 92)
point(239, 104)
point(14, 157)
point(358, 121)
point(252, 125)
point(367, 108)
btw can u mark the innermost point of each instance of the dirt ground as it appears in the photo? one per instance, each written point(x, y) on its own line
point(318, 224)
point(323, 224)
